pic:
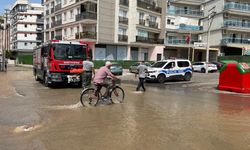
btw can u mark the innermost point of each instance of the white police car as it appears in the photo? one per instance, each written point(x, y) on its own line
point(171, 69)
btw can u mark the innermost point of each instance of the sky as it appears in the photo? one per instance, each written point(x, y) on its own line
point(8, 3)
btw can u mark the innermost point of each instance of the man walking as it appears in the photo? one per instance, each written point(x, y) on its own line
point(89, 70)
point(142, 72)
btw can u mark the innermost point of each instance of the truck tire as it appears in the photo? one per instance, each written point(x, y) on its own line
point(187, 76)
point(45, 81)
point(161, 78)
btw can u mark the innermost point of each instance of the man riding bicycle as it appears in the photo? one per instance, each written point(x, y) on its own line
point(101, 76)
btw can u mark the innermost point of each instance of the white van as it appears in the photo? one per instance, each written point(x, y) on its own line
point(171, 69)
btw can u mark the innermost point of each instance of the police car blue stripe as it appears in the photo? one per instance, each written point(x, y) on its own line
point(176, 71)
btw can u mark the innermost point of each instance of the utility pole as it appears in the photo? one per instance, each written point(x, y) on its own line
point(210, 21)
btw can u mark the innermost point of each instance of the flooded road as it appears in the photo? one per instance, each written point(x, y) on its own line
point(191, 116)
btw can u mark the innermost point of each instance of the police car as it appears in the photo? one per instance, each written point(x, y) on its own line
point(170, 69)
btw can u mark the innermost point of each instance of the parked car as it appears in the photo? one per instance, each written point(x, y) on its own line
point(133, 68)
point(116, 69)
point(201, 67)
point(218, 64)
point(171, 69)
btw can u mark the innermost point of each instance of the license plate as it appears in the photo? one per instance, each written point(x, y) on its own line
point(73, 78)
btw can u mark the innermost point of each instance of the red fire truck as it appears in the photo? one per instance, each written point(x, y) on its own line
point(54, 61)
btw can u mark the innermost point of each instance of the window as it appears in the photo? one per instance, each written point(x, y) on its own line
point(141, 15)
point(25, 44)
point(65, 32)
point(122, 31)
point(25, 35)
point(152, 18)
point(25, 25)
point(30, 42)
point(65, 16)
point(71, 14)
point(168, 21)
point(183, 64)
point(71, 31)
point(159, 64)
point(170, 65)
point(142, 33)
point(123, 13)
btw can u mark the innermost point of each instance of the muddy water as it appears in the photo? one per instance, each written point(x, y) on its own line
point(165, 117)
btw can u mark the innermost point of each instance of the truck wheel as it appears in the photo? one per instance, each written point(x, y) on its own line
point(45, 80)
point(161, 78)
point(36, 77)
point(187, 76)
point(203, 70)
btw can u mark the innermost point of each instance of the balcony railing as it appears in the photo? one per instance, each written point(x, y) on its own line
point(86, 15)
point(123, 38)
point(124, 2)
point(235, 23)
point(52, 24)
point(58, 22)
point(86, 35)
point(237, 6)
point(148, 6)
point(39, 38)
point(123, 20)
point(152, 24)
point(149, 40)
point(190, 27)
point(39, 20)
point(180, 41)
point(58, 7)
point(182, 11)
point(142, 22)
point(230, 40)
point(47, 26)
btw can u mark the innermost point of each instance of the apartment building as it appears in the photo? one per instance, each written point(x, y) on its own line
point(184, 27)
point(26, 26)
point(116, 30)
point(230, 29)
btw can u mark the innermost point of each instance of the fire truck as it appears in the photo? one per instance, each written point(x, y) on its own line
point(54, 61)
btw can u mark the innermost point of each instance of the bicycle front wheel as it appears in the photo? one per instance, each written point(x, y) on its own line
point(117, 95)
point(88, 97)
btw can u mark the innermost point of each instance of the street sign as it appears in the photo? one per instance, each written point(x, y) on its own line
point(200, 45)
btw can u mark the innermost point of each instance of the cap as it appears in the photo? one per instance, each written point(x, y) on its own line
point(108, 63)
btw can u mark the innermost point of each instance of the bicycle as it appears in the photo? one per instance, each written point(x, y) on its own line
point(115, 93)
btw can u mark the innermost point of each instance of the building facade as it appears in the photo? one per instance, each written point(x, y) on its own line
point(116, 30)
point(230, 29)
point(26, 26)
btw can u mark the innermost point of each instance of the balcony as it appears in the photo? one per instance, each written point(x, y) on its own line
point(122, 38)
point(47, 12)
point(124, 2)
point(237, 6)
point(190, 27)
point(47, 26)
point(142, 22)
point(58, 37)
point(230, 40)
point(39, 38)
point(52, 24)
point(86, 15)
point(86, 35)
point(180, 41)
point(182, 11)
point(123, 20)
point(237, 24)
point(153, 24)
point(149, 40)
point(58, 7)
point(58, 22)
point(148, 6)
point(39, 20)
point(52, 10)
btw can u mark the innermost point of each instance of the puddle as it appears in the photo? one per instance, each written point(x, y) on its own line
point(26, 128)
point(74, 106)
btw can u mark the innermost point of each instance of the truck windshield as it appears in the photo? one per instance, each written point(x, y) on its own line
point(69, 52)
point(159, 64)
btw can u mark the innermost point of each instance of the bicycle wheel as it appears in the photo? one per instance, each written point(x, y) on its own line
point(117, 95)
point(88, 97)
